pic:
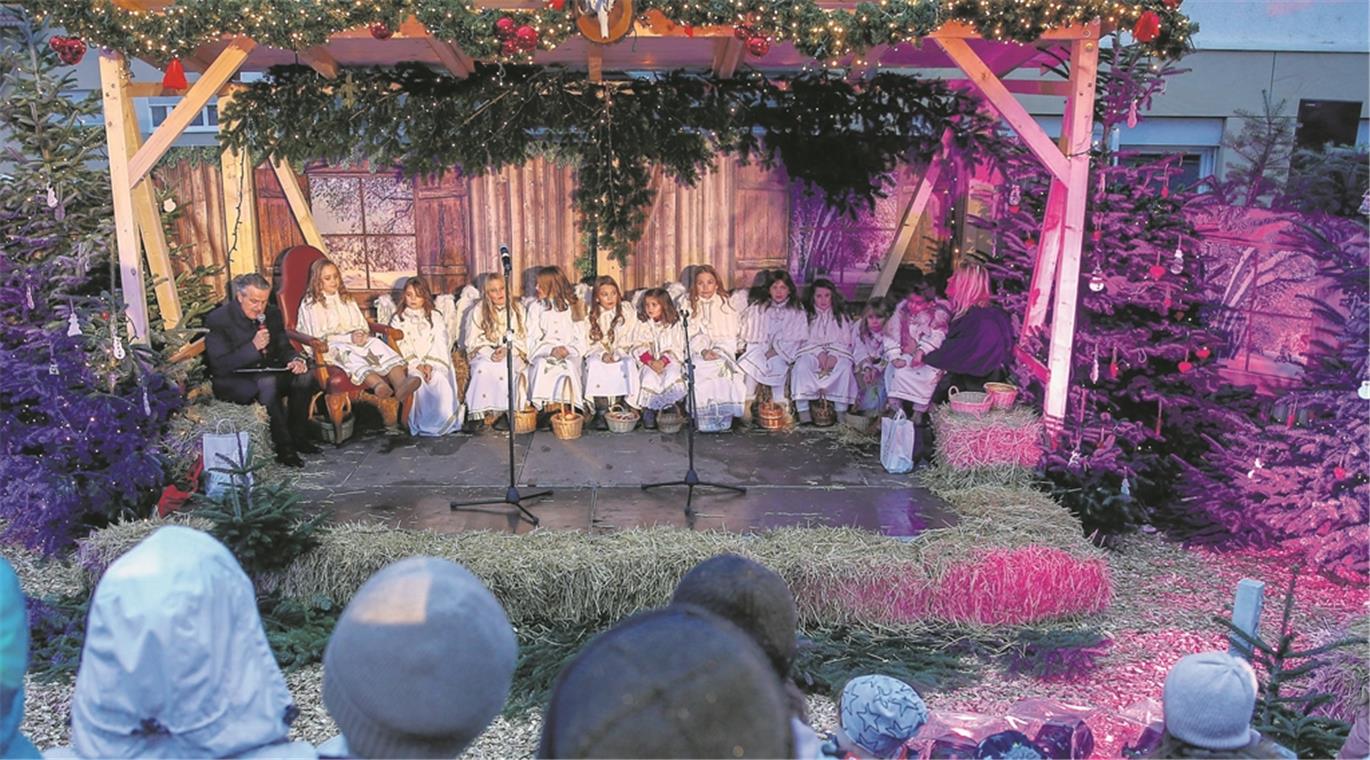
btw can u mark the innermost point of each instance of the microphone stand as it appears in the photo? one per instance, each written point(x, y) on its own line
point(691, 479)
point(512, 497)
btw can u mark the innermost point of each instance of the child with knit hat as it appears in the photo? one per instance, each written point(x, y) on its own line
point(419, 663)
point(878, 715)
point(1207, 703)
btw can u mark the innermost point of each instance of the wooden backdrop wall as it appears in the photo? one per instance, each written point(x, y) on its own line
point(736, 219)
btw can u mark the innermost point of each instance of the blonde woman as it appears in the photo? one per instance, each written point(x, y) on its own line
point(979, 342)
point(330, 314)
point(487, 393)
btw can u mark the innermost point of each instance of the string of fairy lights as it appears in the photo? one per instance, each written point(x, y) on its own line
point(823, 33)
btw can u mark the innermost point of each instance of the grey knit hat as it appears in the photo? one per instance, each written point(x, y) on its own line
point(676, 682)
point(1208, 701)
point(420, 661)
point(749, 595)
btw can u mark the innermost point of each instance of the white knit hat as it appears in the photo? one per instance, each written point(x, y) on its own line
point(1209, 698)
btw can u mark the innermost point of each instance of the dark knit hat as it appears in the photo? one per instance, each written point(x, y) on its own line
point(749, 595)
point(419, 663)
point(677, 682)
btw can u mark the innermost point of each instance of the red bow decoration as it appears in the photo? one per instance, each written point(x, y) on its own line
point(1148, 26)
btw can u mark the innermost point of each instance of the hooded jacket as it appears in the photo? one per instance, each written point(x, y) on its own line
point(175, 662)
point(14, 661)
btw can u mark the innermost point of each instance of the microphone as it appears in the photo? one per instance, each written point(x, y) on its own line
point(261, 325)
point(505, 260)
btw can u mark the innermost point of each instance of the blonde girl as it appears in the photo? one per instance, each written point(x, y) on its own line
point(557, 333)
point(487, 393)
point(611, 372)
point(868, 353)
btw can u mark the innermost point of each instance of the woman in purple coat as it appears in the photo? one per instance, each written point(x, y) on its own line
point(979, 341)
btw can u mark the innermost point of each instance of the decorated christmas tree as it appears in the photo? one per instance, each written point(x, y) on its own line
point(81, 410)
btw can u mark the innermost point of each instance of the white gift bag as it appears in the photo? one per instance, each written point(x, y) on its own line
point(224, 453)
point(897, 438)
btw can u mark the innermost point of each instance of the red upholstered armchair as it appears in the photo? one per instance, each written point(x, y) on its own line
point(292, 280)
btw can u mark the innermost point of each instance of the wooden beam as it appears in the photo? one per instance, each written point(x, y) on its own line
point(594, 62)
point(727, 55)
point(206, 87)
point(240, 207)
point(457, 63)
point(299, 206)
point(152, 233)
point(1022, 86)
point(1002, 101)
point(319, 59)
point(958, 30)
point(1048, 254)
point(114, 94)
point(1077, 128)
point(904, 237)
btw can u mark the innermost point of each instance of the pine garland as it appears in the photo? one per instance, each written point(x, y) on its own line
point(832, 135)
point(821, 33)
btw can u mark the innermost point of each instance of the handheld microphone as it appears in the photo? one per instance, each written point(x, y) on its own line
point(505, 260)
point(261, 325)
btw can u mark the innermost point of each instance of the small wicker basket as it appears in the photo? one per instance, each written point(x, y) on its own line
point(1001, 395)
point(567, 424)
point(772, 415)
point(670, 421)
point(525, 419)
point(969, 402)
point(823, 412)
point(621, 419)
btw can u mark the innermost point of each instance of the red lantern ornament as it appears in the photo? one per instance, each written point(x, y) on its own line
point(1156, 271)
point(1339, 472)
point(527, 38)
point(505, 27)
point(557, 5)
point(1203, 352)
point(175, 76)
point(380, 31)
point(758, 46)
point(509, 47)
point(744, 32)
point(1148, 26)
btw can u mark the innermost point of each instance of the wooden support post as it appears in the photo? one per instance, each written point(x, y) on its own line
point(114, 93)
point(917, 205)
point(594, 62)
point(240, 206)
point(998, 97)
point(150, 230)
point(218, 74)
point(299, 207)
point(318, 59)
point(727, 55)
point(1048, 253)
point(1076, 133)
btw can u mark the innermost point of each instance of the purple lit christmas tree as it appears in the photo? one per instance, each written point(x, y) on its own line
point(81, 411)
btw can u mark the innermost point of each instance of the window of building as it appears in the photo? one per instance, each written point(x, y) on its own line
point(207, 120)
point(1327, 121)
point(367, 222)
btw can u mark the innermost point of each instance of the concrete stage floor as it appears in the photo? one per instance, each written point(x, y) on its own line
point(804, 478)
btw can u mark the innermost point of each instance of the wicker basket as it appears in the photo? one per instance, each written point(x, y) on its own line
point(1001, 395)
point(567, 424)
point(621, 419)
point(670, 421)
point(823, 412)
point(525, 419)
point(969, 402)
point(772, 415)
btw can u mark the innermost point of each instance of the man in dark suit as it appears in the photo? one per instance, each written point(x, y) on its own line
point(246, 332)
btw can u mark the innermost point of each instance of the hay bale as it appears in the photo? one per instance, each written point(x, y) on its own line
point(96, 552)
point(1005, 438)
point(182, 443)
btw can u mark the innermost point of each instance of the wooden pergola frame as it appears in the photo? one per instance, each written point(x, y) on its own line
point(1055, 279)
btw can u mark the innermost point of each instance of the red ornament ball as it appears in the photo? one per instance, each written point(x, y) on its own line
point(527, 37)
point(69, 50)
point(1156, 271)
point(510, 46)
point(1148, 26)
point(557, 5)
point(758, 46)
point(1339, 472)
point(1203, 352)
point(744, 32)
point(1185, 366)
point(505, 27)
point(381, 31)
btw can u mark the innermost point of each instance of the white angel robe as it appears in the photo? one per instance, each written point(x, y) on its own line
point(767, 327)
point(488, 388)
point(333, 321)
point(436, 410)
point(656, 340)
point(619, 376)
point(906, 333)
point(838, 385)
point(719, 382)
point(868, 355)
point(548, 376)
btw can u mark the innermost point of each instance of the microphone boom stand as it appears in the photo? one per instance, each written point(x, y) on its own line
point(512, 497)
point(691, 479)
